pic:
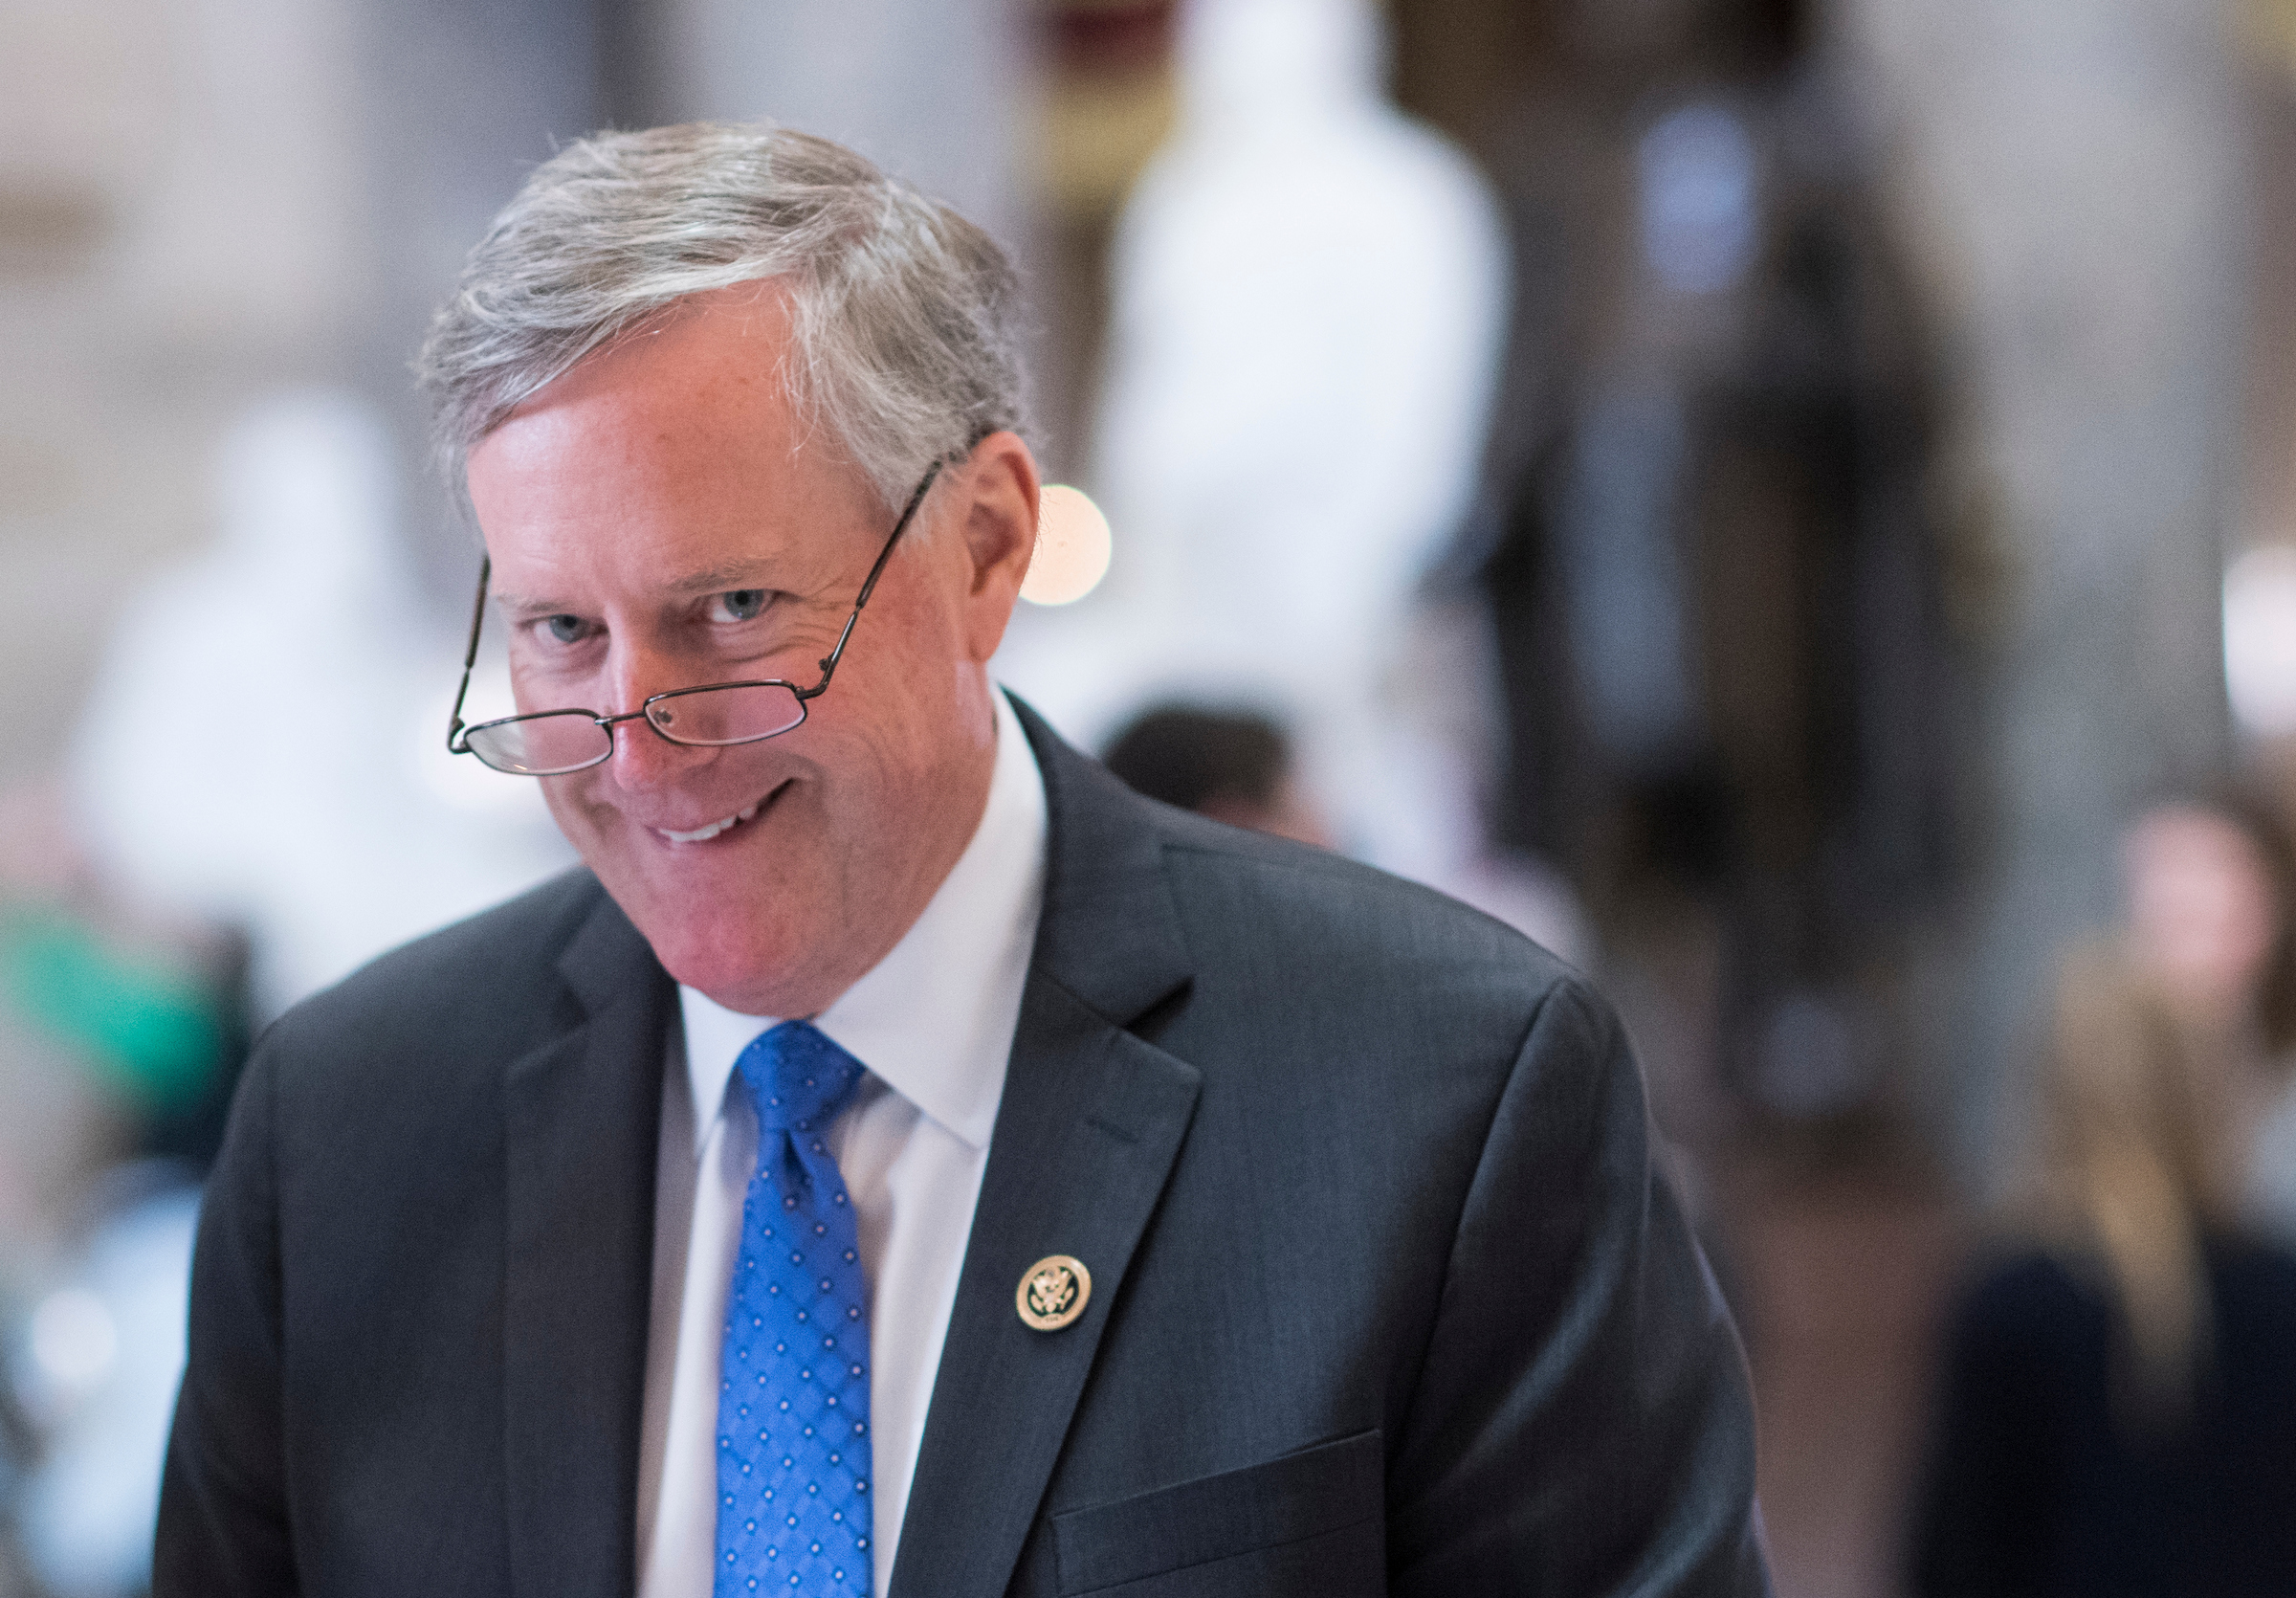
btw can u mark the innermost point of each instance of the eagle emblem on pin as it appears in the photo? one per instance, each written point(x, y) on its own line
point(1054, 1291)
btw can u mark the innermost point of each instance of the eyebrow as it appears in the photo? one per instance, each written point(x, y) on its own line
point(723, 579)
point(502, 599)
point(717, 579)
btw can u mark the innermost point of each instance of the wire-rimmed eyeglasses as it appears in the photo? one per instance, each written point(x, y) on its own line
point(551, 742)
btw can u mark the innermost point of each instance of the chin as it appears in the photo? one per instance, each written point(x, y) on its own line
point(739, 959)
point(741, 974)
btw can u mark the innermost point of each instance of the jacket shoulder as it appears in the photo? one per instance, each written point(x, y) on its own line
point(483, 981)
point(1339, 921)
point(1287, 939)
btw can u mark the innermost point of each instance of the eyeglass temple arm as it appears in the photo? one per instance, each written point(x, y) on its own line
point(869, 585)
point(457, 743)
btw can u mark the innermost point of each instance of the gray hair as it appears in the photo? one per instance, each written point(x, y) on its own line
point(903, 316)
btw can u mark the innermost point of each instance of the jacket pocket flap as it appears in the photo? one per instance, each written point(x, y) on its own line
point(1317, 1490)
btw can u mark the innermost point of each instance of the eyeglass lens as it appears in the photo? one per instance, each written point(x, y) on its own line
point(554, 741)
point(537, 746)
point(733, 713)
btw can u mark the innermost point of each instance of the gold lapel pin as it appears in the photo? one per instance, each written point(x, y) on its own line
point(1054, 1291)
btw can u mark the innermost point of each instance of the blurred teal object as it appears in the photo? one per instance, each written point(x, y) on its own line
point(153, 1030)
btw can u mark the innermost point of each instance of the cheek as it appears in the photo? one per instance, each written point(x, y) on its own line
point(901, 711)
point(862, 771)
point(566, 798)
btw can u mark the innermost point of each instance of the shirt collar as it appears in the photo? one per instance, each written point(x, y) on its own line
point(935, 1018)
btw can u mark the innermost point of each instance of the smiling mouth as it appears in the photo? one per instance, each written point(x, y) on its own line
point(715, 829)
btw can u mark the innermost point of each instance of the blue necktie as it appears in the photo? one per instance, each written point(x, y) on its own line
point(793, 1493)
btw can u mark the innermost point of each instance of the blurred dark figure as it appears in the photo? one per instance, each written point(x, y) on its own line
point(1230, 766)
point(2119, 1405)
point(1719, 590)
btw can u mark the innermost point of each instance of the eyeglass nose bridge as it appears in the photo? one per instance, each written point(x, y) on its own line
point(644, 712)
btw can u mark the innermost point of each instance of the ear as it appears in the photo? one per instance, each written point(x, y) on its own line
point(999, 485)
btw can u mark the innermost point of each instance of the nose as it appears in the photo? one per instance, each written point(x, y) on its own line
point(643, 759)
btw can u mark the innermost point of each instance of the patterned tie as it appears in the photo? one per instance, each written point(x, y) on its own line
point(793, 1504)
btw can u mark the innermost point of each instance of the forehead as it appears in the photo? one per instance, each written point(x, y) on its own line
point(675, 446)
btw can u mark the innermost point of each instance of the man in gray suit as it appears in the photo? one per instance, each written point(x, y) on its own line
point(903, 1161)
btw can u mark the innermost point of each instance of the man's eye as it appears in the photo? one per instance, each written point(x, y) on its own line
point(566, 630)
point(741, 604)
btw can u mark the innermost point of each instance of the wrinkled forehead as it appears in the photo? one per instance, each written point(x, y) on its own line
point(679, 443)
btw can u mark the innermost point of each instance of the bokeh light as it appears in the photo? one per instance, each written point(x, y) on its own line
point(1073, 547)
point(2260, 639)
point(74, 1339)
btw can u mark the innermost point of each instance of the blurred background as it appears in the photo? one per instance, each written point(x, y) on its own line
point(1792, 502)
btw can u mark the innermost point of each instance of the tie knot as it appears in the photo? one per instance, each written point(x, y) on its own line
point(798, 1078)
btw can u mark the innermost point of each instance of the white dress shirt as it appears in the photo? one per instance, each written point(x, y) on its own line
point(934, 1022)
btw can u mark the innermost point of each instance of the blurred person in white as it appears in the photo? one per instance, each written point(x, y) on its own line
point(1308, 295)
point(320, 812)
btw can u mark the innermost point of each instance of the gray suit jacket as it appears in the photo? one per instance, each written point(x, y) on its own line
point(1386, 1294)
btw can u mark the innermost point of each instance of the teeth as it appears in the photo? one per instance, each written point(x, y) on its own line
point(703, 834)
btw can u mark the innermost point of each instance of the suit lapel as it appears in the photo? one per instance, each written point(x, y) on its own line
point(581, 1117)
point(1089, 1124)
